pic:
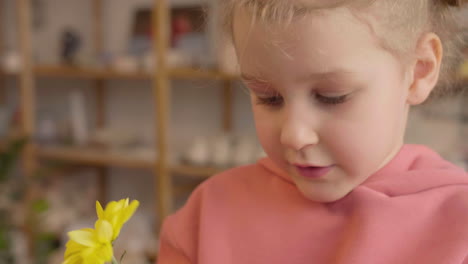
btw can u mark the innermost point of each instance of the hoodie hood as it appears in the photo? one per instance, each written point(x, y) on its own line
point(415, 168)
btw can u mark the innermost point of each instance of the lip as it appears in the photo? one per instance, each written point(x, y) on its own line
point(312, 172)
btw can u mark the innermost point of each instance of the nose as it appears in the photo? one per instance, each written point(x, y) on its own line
point(297, 132)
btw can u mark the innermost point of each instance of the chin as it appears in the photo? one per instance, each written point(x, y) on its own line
point(323, 197)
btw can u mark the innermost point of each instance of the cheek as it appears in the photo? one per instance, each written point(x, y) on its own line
point(348, 143)
point(267, 130)
point(365, 133)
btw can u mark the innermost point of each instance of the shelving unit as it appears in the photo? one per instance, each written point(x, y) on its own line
point(90, 156)
point(58, 71)
point(96, 157)
point(101, 159)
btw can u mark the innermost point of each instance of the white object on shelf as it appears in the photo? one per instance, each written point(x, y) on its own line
point(116, 139)
point(47, 131)
point(11, 62)
point(178, 59)
point(148, 63)
point(223, 151)
point(125, 64)
point(175, 59)
point(198, 153)
point(244, 151)
point(78, 118)
point(143, 153)
point(221, 154)
point(227, 59)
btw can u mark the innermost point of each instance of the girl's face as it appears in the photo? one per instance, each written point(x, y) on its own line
point(330, 105)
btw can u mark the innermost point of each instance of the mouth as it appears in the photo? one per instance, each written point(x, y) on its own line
point(312, 172)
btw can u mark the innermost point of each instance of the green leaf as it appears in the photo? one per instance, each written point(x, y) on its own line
point(40, 206)
point(4, 239)
point(123, 255)
point(10, 156)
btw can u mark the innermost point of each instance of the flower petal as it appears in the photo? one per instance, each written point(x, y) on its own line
point(103, 231)
point(123, 216)
point(111, 209)
point(129, 211)
point(73, 248)
point(105, 252)
point(99, 210)
point(83, 237)
point(75, 259)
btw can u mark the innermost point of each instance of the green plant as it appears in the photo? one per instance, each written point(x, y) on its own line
point(8, 158)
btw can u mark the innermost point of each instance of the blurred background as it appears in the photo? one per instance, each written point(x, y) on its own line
point(109, 99)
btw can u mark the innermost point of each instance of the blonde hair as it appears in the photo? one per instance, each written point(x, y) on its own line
point(401, 23)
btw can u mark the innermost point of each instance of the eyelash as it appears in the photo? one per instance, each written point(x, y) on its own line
point(277, 100)
point(332, 100)
point(274, 101)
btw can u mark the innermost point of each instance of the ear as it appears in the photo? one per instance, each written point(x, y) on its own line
point(426, 69)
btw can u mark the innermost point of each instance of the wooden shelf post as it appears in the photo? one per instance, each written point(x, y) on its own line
point(3, 93)
point(27, 100)
point(100, 90)
point(162, 101)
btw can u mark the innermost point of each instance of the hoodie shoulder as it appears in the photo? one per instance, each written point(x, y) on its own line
point(418, 169)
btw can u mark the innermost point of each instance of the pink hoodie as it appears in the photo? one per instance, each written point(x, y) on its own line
point(414, 210)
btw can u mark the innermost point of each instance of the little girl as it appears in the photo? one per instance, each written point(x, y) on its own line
point(331, 84)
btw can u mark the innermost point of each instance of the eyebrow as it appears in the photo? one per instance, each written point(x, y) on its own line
point(318, 76)
point(324, 75)
point(248, 77)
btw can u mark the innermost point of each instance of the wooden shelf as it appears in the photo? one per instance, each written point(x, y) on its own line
point(8, 139)
point(193, 171)
point(193, 74)
point(92, 156)
point(96, 157)
point(7, 74)
point(160, 83)
point(86, 73)
point(94, 73)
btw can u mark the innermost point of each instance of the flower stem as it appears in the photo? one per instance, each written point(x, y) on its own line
point(114, 261)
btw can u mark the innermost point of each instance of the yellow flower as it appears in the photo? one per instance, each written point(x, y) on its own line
point(94, 246)
point(464, 69)
point(90, 246)
point(117, 213)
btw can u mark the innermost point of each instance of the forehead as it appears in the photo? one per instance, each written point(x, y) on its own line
point(276, 10)
point(315, 43)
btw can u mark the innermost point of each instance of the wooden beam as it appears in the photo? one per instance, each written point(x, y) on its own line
point(27, 103)
point(3, 93)
point(27, 91)
point(97, 26)
point(93, 157)
point(102, 172)
point(61, 71)
point(162, 98)
point(100, 89)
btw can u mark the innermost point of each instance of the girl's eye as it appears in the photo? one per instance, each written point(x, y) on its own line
point(331, 100)
point(274, 101)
